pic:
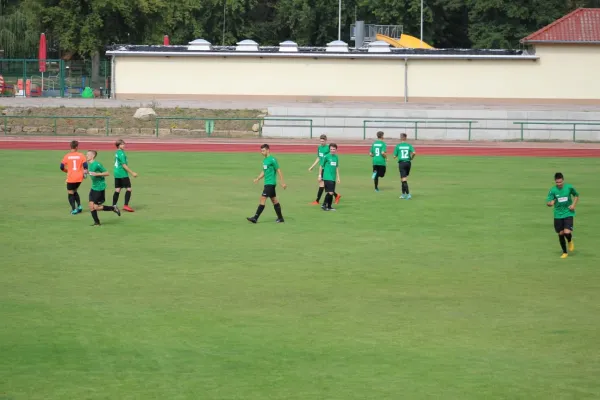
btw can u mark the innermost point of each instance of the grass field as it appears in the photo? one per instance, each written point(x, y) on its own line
point(457, 294)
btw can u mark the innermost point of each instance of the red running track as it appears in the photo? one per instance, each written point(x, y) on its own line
point(309, 148)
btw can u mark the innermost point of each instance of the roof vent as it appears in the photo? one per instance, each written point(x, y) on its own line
point(247, 45)
point(288, 46)
point(337, 46)
point(200, 45)
point(379, 46)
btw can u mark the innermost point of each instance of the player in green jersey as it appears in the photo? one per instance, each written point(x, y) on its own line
point(97, 172)
point(378, 152)
point(270, 171)
point(329, 173)
point(563, 197)
point(122, 172)
point(405, 153)
point(322, 151)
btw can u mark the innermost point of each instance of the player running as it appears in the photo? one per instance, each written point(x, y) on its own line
point(270, 171)
point(564, 198)
point(378, 152)
point(74, 165)
point(405, 153)
point(322, 151)
point(329, 173)
point(97, 197)
point(122, 172)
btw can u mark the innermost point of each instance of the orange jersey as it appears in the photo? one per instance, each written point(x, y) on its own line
point(73, 163)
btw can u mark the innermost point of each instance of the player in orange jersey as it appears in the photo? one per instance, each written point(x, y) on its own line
point(74, 164)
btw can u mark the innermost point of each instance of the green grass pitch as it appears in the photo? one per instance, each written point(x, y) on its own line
point(457, 294)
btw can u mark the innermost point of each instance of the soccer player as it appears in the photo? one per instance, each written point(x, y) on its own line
point(270, 171)
point(329, 173)
point(97, 173)
point(122, 172)
point(405, 153)
point(563, 197)
point(378, 152)
point(322, 151)
point(75, 166)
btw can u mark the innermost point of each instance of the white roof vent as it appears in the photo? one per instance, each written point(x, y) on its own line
point(288, 46)
point(247, 45)
point(337, 46)
point(379, 46)
point(200, 45)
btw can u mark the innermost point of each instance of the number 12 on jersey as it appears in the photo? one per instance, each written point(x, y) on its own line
point(404, 153)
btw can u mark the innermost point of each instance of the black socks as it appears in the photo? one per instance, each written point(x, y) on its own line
point(277, 208)
point(320, 193)
point(563, 243)
point(72, 201)
point(259, 211)
point(95, 216)
point(405, 187)
point(127, 197)
point(115, 198)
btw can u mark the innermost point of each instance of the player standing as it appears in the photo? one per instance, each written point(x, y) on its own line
point(378, 152)
point(329, 173)
point(75, 166)
point(97, 197)
point(564, 198)
point(122, 172)
point(322, 151)
point(405, 153)
point(270, 171)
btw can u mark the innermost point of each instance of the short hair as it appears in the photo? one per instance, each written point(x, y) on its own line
point(265, 146)
point(119, 142)
point(403, 135)
point(323, 137)
point(94, 152)
point(74, 144)
point(379, 134)
point(333, 145)
point(558, 175)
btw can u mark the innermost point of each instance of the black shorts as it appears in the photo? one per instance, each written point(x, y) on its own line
point(97, 196)
point(329, 186)
point(269, 191)
point(404, 167)
point(560, 224)
point(73, 185)
point(380, 169)
point(122, 183)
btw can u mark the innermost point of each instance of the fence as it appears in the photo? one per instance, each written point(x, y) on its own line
point(22, 78)
point(574, 124)
point(415, 124)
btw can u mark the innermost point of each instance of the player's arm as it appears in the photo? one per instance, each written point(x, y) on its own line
point(126, 168)
point(575, 195)
point(337, 173)
point(320, 172)
point(262, 175)
point(396, 152)
point(550, 199)
point(283, 185)
point(313, 164)
point(105, 173)
point(412, 155)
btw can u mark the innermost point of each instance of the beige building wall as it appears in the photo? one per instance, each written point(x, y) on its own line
point(563, 73)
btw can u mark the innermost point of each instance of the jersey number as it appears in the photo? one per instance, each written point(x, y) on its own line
point(74, 165)
point(404, 153)
point(116, 162)
point(377, 152)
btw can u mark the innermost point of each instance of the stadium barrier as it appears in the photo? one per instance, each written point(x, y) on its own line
point(67, 126)
point(557, 123)
point(416, 124)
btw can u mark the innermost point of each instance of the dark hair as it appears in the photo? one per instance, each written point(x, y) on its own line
point(119, 142)
point(265, 146)
point(403, 135)
point(93, 151)
point(558, 175)
point(333, 145)
point(74, 144)
point(379, 134)
point(323, 137)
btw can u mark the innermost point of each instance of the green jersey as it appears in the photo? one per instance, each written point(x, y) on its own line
point(98, 182)
point(563, 200)
point(270, 167)
point(377, 149)
point(330, 166)
point(403, 151)
point(322, 151)
point(120, 159)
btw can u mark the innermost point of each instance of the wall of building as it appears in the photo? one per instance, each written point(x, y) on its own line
point(563, 73)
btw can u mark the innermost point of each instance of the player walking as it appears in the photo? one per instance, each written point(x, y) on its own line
point(329, 173)
point(322, 151)
point(122, 172)
point(378, 152)
point(270, 171)
point(74, 165)
point(563, 197)
point(405, 153)
point(97, 192)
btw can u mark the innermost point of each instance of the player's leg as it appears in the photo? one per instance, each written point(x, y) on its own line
point(374, 174)
point(404, 173)
point(569, 233)
point(559, 229)
point(277, 207)
point(127, 183)
point(118, 186)
point(101, 207)
point(92, 203)
point(78, 199)
point(375, 177)
point(319, 192)
point(261, 204)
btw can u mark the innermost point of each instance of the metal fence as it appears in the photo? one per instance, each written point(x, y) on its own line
point(22, 78)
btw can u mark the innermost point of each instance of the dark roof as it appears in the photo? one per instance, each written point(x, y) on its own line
point(579, 26)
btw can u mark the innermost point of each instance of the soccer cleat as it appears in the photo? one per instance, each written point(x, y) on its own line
point(331, 209)
point(337, 199)
point(565, 255)
point(402, 196)
point(97, 225)
point(377, 190)
point(408, 197)
point(571, 245)
point(315, 203)
point(127, 208)
point(117, 211)
point(79, 209)
point(374, 175)
point(74, 212)
point(251, 219)
point(279, 220)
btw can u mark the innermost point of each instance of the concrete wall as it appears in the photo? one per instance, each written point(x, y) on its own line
point(489, 124)
point(564, 73)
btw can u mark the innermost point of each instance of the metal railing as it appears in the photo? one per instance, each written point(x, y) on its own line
point(417, 122)
point(54, 127)
point(560, 123)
